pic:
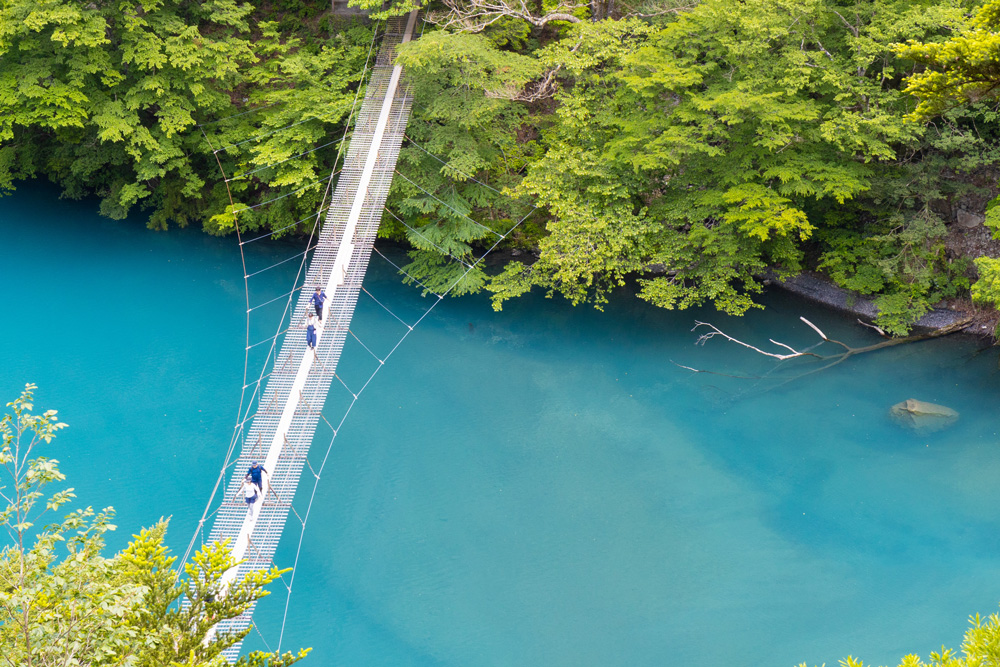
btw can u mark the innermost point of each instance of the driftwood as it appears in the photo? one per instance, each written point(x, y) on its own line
point(829, 359)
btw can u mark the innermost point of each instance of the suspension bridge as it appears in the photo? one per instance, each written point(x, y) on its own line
point(289, 400)
point(290, 405)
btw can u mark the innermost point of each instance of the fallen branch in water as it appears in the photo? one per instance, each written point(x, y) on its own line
point(833, 359)
point(715, 331)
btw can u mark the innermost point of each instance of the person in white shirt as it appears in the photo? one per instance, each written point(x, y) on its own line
point(249, 491)
point(311, 325)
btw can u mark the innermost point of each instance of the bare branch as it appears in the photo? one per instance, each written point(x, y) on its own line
point(872, 326)
point(782, 345)
point(852, 28)
point(823, 335)
point(538, 90)
point(532, 92)
point(831, 360)
point(715, 331)
point(476, 15)
point(814, 328)
point(725, 375)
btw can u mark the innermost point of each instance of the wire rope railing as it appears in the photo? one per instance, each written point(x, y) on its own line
point(318, 474)
point(268, 404)
point(242, 113)
point(447, 205)
point(271, 201)
point(275, 131)
point(275, 164)
point(403, 271)
point(246, 404)
point(284, 261)
point(453, 168)
point(424, 237)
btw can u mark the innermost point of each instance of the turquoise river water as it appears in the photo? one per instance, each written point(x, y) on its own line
point(539, 486)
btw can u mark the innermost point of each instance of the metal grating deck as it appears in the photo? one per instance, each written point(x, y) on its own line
point(290, 404)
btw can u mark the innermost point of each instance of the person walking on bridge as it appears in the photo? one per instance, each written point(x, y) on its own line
point(317, 299)
point(311, 325)
point(254, 473)
point(250, 492)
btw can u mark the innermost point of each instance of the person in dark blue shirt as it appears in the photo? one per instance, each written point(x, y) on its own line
point(254, 472)
point(317, 299)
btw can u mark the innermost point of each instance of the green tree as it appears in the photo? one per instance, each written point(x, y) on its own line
point(104, 98)
point(87, 609)
point(709, 146)
point(304, 93)
point(980, 648)
point(962, 71)
point(116, 85)
point(463, 154)
point(962, 68)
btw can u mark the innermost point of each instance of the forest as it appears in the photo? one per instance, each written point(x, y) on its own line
point(694, 147)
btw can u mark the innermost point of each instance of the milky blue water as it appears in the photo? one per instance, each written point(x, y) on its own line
point(540, 486)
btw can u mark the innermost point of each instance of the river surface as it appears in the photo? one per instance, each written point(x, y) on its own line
point(539, 486)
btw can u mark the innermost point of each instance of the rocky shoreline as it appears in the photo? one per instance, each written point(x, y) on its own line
point(818, 289)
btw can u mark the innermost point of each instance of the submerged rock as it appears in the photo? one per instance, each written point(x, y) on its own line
point(922, 416)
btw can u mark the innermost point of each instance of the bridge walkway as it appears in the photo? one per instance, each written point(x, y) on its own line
point(290, 406)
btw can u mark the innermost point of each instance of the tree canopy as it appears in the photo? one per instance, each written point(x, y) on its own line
point(980, 648)
point(962, 71)
point(707, 146)
point(83, 608)
point(132, 102)
point(696, 147)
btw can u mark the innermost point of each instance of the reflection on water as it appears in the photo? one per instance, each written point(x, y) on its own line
point(541, 486)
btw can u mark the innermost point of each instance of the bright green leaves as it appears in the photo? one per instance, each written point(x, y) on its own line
point(48, 52)
point(56, 611)
point(899, 258)
point(463, 153)
point(379, 10)
point(114, 123)
point(712, 143)
point(679, 148)
point(980, 647)
point(286, 150)
point(714, 147)
point(82, 608)
point(585, 254)
point(761, 213)
point(965, 67)
point(463, 84)
point(226, 12)
point(21, 433)
point(105, 99)
point(110, 93)
point(175, 73)
point(66, 24)
point(986, 289)
point(465, 78)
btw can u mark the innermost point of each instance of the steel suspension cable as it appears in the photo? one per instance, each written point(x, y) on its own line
point(443, 203)
point(244, 403)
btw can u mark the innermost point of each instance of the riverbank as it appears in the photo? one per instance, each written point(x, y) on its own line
point(816, 288)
